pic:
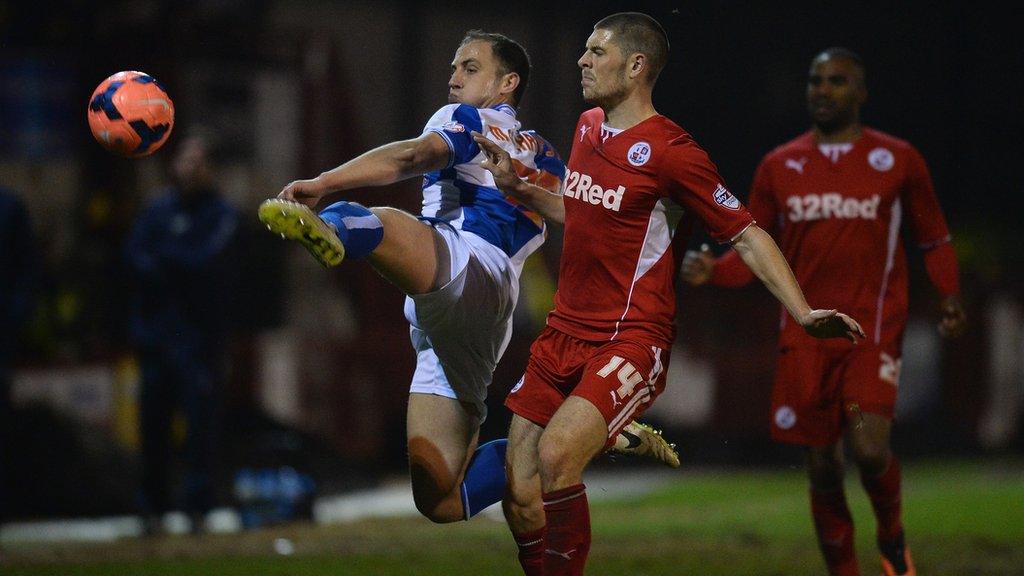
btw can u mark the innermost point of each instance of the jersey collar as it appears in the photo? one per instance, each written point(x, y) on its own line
point(506, 108)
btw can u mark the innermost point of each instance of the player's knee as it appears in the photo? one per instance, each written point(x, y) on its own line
point(434, 488)
point(438, 516)
point(872, 458)
point(556, 457)
point(825, 472)
point(386, 214)
point(436, 507)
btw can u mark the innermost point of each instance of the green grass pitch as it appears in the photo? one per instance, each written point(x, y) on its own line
point(963, 517)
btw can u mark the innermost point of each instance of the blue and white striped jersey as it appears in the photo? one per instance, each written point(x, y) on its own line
point(464, 195)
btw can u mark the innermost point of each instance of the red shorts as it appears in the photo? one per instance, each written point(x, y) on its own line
point(821, 387)
point(620, 378)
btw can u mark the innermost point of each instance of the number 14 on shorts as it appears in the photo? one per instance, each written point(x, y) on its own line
point(628, 377)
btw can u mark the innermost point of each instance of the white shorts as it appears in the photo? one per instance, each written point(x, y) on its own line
point(461, 330)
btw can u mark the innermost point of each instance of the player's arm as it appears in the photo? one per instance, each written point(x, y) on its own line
point(940, 262)
point(728, 270)
point(381, 166)
point(541, 200)
point(760, 253)
point(928, 226)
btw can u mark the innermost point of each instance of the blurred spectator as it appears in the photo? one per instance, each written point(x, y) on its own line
point(179, 257)
point(999, 420)
point(17, 273)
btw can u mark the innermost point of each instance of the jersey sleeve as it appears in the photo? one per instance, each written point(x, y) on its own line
point(455, 123)
point(928, 226)
point(943, 270)
point(547, 157)
point(730, 270)
point(762, 203)
point(924, 215)
point(694, 183)
point(550, 167)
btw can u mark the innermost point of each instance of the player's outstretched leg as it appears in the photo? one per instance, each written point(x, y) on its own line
point(342, 228)
point(639, 439)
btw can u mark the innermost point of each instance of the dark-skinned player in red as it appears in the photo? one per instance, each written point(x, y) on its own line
point(834, 199)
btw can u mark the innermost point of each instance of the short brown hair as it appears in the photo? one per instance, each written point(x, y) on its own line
point(510, 54)
point(637, 32)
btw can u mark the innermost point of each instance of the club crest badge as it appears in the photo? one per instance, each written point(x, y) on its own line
point(881, 159)
point(453, 126)
point(785, 417)
point(639, 154)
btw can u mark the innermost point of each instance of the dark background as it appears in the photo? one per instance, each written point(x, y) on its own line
point(344, 77)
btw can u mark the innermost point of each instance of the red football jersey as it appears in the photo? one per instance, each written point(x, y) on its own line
point(630, 203)
point(838, 223)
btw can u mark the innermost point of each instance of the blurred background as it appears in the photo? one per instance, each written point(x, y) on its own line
point(317, 363)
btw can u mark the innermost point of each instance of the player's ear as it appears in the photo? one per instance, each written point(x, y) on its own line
point(862, 89)
point(509, 83)
point(638, 63)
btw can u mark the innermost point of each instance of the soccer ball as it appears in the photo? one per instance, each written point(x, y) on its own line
point(131, 114)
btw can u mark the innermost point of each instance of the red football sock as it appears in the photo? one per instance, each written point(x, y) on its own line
point(834, 526)
point(884, 492)
point(567, 541)
point(531, 552)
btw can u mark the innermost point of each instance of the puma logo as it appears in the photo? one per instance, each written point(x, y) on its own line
point(797, 165)
point(567, 555)
point(615, 400)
